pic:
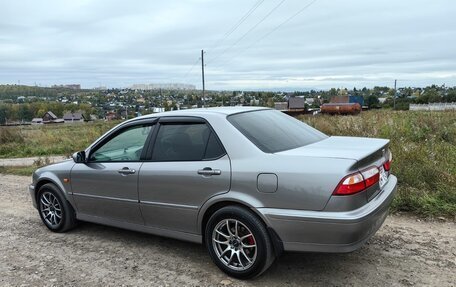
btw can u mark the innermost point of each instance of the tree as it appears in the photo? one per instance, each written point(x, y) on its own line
point(372, 101)
point(451, 96)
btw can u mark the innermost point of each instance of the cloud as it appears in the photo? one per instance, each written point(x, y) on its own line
point(330, 44)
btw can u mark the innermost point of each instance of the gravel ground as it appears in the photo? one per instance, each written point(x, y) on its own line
point(405, 252)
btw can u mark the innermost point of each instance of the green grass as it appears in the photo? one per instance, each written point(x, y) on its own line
point(424, 154)
point(423, 146)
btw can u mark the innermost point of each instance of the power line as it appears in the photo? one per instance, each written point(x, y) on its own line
point(240, 21)
point(227, 34)
point(190, 70)
point(248, 32)
point(273, 30)
point(286, 21)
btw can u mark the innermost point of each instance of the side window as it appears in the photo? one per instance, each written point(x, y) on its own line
point(125, 146)
point(213, 149)
point(184, 142)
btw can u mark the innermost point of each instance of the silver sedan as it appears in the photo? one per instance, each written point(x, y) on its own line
point(249, 183)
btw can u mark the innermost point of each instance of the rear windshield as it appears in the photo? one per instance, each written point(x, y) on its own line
point(273, 131)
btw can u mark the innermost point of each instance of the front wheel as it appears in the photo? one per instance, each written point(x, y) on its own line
point(238, 242)
point(55, 211)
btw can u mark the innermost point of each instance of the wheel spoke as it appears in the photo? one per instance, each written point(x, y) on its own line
point(222, 234)
point(221, 242)
point(48, 198)
point(246, 257)
point(236, 228)
point(248, 245)
point(239, 259)
point(231, 257)
point(43, 201)
point(246, 236)
point(228, 227)
point(224, 251)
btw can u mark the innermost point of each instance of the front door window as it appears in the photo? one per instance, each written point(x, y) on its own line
point(124, 147)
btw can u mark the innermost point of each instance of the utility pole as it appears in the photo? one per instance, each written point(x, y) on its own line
point(202, 73)
point(161, 99)
point(394, 105)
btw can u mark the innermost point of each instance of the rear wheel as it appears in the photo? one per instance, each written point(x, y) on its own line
point(55, 211)
point(238, 242)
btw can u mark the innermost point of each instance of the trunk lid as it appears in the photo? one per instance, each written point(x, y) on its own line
point(355, 148)
point(366, 152)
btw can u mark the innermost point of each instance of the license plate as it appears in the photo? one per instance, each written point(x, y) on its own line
point(383, 177)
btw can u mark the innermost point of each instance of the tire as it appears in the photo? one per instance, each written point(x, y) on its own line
point(236, 243)
point(55, 211)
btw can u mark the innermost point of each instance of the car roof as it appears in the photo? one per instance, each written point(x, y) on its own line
point(202, 111)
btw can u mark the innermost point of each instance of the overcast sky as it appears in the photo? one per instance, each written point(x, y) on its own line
point(351, 43)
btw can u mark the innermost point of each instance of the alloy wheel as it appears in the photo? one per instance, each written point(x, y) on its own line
point(51, 209)
point(234, 244)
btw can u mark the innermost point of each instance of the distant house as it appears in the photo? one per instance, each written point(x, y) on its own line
point(37, 121)
point(73, 118)
point(281, 106)
point(294, 106)
point(49, 117)
point(296, 103)
point(111, 116)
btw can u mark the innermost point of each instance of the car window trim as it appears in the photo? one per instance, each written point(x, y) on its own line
point(180, 120)
point(117, 131)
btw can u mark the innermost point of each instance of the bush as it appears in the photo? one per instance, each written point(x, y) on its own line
point(11, 135)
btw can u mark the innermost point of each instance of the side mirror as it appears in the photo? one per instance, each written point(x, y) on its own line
point(79, 157)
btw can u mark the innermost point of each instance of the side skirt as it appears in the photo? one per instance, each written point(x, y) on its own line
point(195, 238)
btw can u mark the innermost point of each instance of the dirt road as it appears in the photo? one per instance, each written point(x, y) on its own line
point(405, 252)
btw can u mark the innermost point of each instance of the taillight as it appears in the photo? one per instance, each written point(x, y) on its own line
point(371, 176)
point(387, 164)
point(358, 182)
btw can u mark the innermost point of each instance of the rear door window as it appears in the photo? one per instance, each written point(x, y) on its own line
point(186, 142)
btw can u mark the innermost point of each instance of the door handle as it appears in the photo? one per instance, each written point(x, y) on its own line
point(209, 171)
point(126, 171)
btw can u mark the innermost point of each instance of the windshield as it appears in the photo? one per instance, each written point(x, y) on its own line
point(273, 131)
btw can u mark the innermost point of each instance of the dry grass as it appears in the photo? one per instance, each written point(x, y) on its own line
point(46, 140)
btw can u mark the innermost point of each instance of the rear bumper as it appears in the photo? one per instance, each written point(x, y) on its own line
point(31, 190)
point(319, 231)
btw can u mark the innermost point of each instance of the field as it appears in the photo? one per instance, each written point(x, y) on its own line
point(423, 146)
point(52, 139)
